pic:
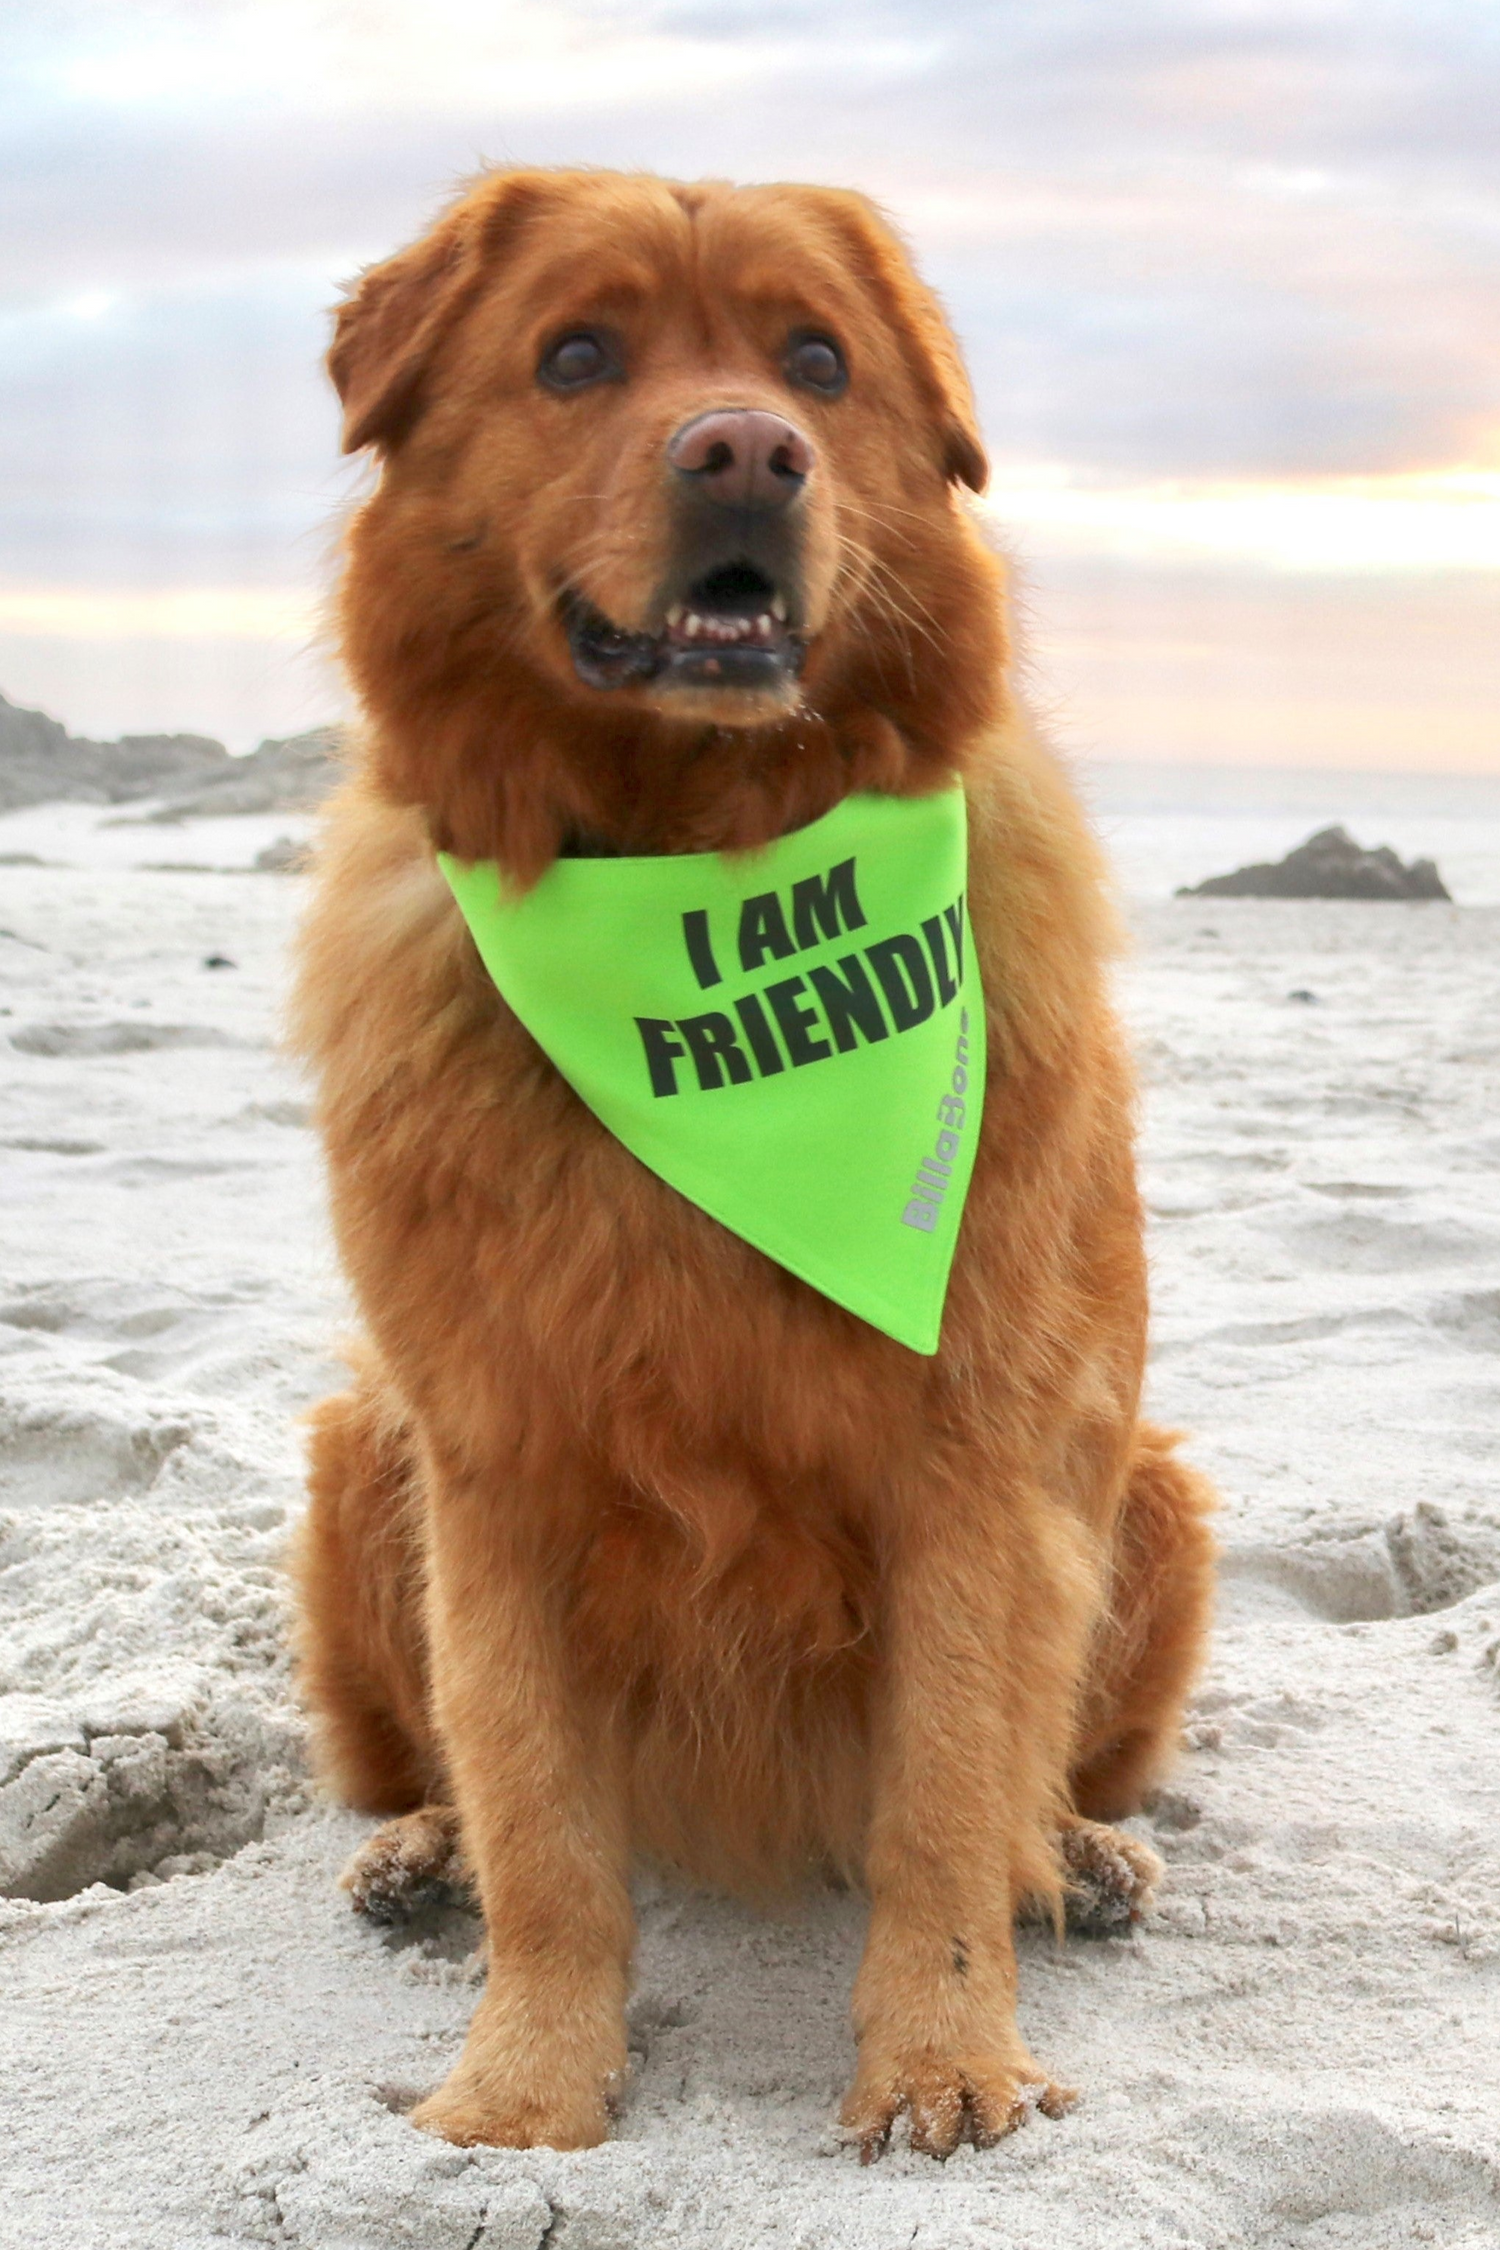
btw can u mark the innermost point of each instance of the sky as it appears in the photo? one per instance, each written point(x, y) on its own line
point(1226, 272)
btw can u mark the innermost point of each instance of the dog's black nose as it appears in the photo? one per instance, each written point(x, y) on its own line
point(742, 457)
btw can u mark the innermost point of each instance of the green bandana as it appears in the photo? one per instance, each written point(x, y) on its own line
point(792, 1037)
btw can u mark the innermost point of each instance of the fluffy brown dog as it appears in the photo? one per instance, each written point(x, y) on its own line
point(625, 1540)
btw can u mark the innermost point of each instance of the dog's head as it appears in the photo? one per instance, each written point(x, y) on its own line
point(662, 466)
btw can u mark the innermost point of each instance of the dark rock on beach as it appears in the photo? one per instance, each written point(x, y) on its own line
point(1329, 865)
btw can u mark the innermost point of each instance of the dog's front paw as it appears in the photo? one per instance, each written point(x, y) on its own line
point(949, 2099)
point(476, 2116)
point(533, 2074)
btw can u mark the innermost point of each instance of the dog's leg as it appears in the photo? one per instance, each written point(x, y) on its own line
point(986, 1614)
point(1153, 1639)
point(540, 1796)
point(358, 1571)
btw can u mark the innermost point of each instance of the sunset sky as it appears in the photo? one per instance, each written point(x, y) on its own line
point(1227, 273)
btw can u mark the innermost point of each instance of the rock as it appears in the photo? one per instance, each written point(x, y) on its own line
point(293, 775)
point(283, 857)
point(1329, 865)
point(40, 762)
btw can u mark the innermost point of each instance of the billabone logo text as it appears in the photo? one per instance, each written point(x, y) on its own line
point(935, 1173)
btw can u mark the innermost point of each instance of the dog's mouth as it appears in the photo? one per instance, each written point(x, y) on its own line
point(732, 628)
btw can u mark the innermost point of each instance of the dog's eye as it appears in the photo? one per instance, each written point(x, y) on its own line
point(573, 361)
point(815, 363)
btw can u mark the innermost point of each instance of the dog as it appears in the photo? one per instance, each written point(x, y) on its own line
point(624, 1539)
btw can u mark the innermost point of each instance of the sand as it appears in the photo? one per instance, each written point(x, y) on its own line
point(200, 2045)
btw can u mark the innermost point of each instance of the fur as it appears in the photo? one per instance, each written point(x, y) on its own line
point(624, 1540)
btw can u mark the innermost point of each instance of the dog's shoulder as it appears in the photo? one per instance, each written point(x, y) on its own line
point(1040, 902)
point(384, 965)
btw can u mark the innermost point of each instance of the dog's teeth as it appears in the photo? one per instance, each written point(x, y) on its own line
point(778, 608)
point(694, 623)
point(763, 626)
point(674, 616)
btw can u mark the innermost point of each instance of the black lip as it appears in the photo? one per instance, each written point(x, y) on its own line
point(604, 656)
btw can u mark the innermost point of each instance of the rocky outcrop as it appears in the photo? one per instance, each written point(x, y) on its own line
point(291, 775)
point(199, 779)
point(1329, 865)
point(283, 857)
point(41, 761)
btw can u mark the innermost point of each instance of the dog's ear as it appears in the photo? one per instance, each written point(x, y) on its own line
point(396, 313)
point(883, 261)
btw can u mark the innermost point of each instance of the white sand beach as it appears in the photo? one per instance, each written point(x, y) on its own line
point(201, 2046)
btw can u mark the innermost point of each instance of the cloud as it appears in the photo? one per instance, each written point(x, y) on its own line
point(1209, 661)
point(183, 613)
point(169, 436)
point(1363, 526)
point(1224, 269)
point(1173, 236)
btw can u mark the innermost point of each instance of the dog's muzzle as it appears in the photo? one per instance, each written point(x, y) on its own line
point(729, 610)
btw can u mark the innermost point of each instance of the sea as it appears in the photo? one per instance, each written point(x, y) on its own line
point(1168, 826)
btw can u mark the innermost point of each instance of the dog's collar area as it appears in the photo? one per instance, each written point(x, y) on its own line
point(733, 628)
point(793, 1039)
point(587, 843)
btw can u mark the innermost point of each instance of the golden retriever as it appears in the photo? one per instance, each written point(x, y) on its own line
point(624, 1540)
